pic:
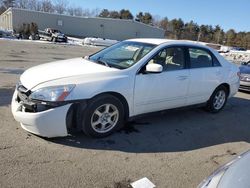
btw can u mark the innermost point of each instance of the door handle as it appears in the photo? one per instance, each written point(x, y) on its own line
point(182, 77)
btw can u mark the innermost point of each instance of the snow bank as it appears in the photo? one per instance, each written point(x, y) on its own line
point(75, 41)
point(237, 56)
point(99, 41)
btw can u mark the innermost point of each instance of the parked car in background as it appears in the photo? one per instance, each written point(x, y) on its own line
point(245, 76)
point(238, 49)
point(100, 92)
point(4, 33)
point(53, 35)
point(234, 174)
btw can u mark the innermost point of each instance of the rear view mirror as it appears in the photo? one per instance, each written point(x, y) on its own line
point(153, 68)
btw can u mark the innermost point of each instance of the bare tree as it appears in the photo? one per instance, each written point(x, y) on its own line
point(47, 6)
point(60, 6)
point(86, 12)
point(156, 20)
point(5, 4)
point(24, 4)
point(95, 12)
point(70, 11)
point(38, 6)
point(78, 11)
point(32, 4)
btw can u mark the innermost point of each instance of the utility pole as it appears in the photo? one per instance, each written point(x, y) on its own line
point(199, 36)
point(218, 40)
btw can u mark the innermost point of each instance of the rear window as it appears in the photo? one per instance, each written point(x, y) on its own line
point(200, 58)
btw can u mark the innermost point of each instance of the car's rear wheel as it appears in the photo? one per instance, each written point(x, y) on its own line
point(218, 100)
point(103, 116)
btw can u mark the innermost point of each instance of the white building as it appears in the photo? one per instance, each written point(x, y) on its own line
point(117, 29)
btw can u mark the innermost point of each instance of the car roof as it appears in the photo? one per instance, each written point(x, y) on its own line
point(157, 41)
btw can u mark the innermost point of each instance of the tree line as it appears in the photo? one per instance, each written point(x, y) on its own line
point(174, 29)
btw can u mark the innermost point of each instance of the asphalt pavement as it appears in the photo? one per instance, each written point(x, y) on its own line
point(174, 148)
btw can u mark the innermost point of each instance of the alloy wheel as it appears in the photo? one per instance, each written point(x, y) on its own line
point(219, 99)
point(104, 118)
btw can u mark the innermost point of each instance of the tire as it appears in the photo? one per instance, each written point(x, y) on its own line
point(103, 116)
point(53, 39)
point(217, 100)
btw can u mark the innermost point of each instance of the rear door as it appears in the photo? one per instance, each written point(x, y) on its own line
point(205, 75)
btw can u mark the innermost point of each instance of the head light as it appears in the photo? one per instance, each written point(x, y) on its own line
point(54, 93)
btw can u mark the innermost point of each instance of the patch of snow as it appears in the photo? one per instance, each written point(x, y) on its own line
point(237, 56)
point(71, 41)
point(99, 41)
point(75, 41)
point(24, 40)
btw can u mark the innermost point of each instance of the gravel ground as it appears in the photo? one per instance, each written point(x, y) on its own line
point(174, 148)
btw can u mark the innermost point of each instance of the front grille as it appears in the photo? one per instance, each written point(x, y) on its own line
point(245, 87)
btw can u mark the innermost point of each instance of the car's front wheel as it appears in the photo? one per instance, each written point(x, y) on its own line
point(103, 116)
point(218, 99)
point(53, 39)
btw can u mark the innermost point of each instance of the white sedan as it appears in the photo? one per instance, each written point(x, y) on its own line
point(97, 94)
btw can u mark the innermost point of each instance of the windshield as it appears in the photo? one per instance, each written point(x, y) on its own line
point(122, 55)
point(56, 31)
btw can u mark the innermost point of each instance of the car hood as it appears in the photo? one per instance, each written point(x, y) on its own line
point(238, 173)
point(60, 69)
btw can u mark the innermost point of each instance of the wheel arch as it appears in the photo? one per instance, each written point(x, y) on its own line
point(227, 86)
point(121, 98)
point(74, 116)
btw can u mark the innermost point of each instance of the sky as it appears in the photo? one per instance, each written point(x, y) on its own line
point(229, 14)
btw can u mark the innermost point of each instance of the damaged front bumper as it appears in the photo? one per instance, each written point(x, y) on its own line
point(48, 122)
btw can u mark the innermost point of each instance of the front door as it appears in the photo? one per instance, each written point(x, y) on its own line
point(165, 90)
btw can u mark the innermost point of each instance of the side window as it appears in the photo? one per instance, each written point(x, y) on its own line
point(200, 58)
point(172, 58)
point(216, 62)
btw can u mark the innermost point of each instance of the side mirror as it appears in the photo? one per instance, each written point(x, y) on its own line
point(154, 68)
